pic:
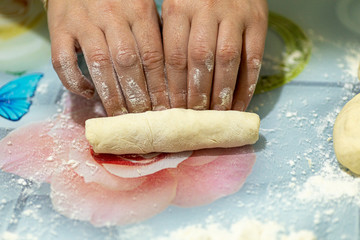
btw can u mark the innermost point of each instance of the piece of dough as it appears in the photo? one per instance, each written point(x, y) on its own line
point(172, 130)
point(347, 135)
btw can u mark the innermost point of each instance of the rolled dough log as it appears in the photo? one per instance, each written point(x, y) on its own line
point(172, 130)
point(347, 135)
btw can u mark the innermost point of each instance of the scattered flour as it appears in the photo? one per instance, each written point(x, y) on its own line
point(135, 95)
point(22, 182)
point(209, 62)
point(42, 88)
point(13, 236)
point(293, 58)
point(226, 97)
point(203, 103)
point(327, 121)
point(244, 229)
point(196, 77)
point(330, 183)
point(352, 62)
point(252, 89)
point(9, 236)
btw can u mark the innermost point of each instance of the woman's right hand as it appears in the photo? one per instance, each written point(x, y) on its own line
point(122, 45)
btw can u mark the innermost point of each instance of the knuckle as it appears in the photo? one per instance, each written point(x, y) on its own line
point(228, 54)
point(259, 17)
point(152, 59)
point(73, 84)
point(177, 60)
point(126, 58)
point(56, 62)
point(157, 88)
point(107, 7)
point(99, 57)
point(158, 91)
point(209, 3)
point(178, 100)
point(199, 54)
point(253, 62)
point(73, 87)
point(143, 7)
point(114, 105)
point(171, 7)
point(61, 61)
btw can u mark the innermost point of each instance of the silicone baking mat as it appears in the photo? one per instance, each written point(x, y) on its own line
point(310, 70)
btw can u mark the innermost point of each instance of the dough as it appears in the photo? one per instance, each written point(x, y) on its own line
point(172, 130)
point(347, 135)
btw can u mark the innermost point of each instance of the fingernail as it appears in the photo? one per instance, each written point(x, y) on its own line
point(89, 93)
point(199, 108)
point(219, 107)
point(240, 105)
point(121, 111)
point(159, 108)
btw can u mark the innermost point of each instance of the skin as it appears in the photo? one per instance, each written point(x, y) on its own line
point(211, 51)
point(122, 45)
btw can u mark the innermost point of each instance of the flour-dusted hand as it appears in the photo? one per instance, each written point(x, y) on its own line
point(213, 51)
point(122, 45)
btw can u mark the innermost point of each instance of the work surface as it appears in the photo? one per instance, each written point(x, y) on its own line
point(296, 183)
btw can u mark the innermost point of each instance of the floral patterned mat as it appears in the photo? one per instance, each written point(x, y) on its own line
point(309, 72)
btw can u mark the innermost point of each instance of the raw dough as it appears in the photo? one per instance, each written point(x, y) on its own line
point(347, 135)
point(172, 130)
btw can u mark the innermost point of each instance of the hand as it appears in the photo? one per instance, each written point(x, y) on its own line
point(213, 51)
point(122, 45)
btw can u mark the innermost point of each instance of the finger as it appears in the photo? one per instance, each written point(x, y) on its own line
point(176, 29)
point(126, 59)
point(64, 60)
point(228, 52)
point(202, 45)
point(252, 52)
point(253, 47)
point(148, 39)
point(98, 60)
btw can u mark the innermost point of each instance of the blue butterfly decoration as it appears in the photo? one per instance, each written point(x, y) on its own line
point(15, 96)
